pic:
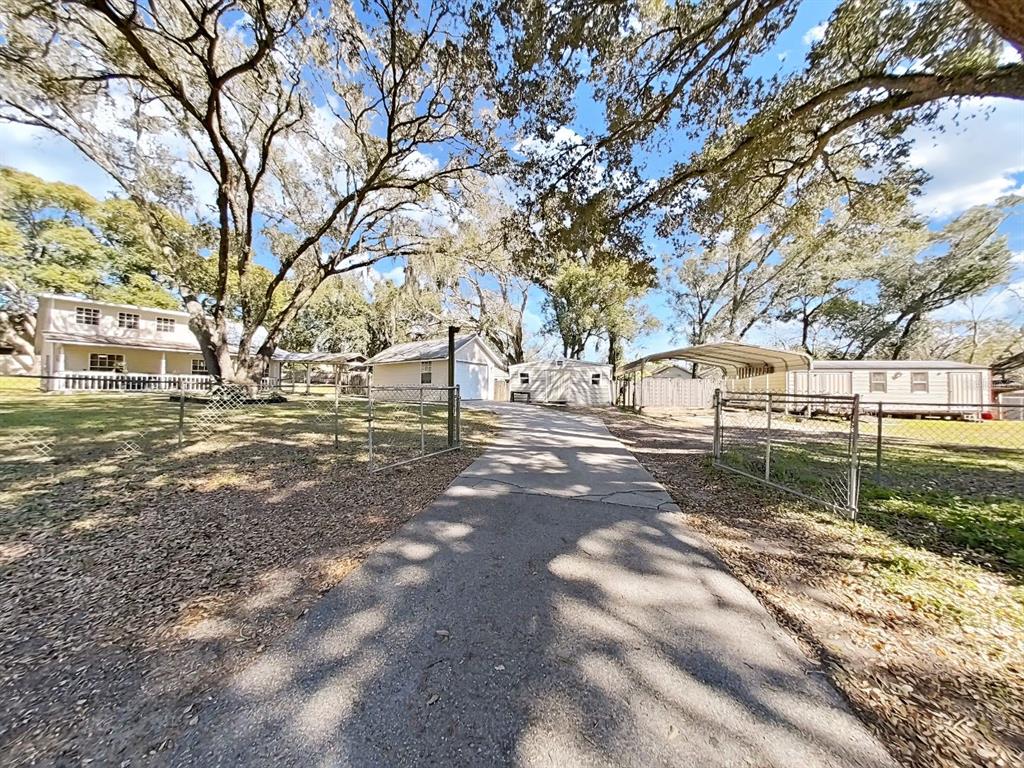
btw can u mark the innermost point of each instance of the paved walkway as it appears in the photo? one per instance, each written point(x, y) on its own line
point(549, 609)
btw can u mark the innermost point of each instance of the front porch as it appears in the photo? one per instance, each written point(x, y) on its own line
point(83, 367)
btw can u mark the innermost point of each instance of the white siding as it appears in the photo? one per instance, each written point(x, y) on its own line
point(571, 382)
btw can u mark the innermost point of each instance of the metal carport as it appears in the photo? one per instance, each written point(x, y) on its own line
point(735, 359)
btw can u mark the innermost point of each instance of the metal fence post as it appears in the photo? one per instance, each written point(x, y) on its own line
point(369, 420)
point(878, 448)
point(716, 439)
point(853, 491)
point(768, 442)
point(181, 414)
point(458, 416)
point(423, 433)
point(337, 394)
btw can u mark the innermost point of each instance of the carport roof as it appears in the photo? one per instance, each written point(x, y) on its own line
point(335, 358)
point(732, 357)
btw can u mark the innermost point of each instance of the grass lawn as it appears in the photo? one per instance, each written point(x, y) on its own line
point(916, 611)
point(134, 573)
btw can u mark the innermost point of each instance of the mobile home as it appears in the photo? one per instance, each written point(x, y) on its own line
point(920, 387)
point(575, 382)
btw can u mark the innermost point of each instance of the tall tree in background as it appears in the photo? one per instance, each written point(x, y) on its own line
point(57, 238)
point(923, 273)
point(230, 112)
point(336, 319)
point(474, 264)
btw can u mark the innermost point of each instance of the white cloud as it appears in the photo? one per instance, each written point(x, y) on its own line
point(815, 34)
point(1017, 257)
point(36, 151)
point(973, 163)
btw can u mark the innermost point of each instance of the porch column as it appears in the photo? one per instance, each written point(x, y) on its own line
point(163, 363)
point(308, 374)
point(58, 367)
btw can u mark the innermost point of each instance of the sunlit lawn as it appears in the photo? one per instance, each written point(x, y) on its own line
point(951, 486)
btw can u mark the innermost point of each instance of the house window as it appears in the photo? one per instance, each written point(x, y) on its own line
point(595, 379)
point(199, 366)
point(919, 381)
point(878, 381)
point(426, 373)
point(165, 324)
point(99, 361)
point(127, 320)
point(524, 379)
point(87, 316)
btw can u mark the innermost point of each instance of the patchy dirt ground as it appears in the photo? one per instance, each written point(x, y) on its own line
point(927, 647)
point(128, 589)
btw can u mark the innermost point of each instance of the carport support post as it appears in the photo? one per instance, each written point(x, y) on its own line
point(308, 369)
point(452, 330)
point(716, 437)
point(768, 442)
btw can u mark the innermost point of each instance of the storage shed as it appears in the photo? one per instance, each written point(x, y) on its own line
point(477, 366)
point(575, 382)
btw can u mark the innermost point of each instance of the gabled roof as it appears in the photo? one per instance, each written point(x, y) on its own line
point(412, 351)
point(431, 349)
point(559, 362)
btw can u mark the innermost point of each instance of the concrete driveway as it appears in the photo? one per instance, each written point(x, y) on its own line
point(551, 608)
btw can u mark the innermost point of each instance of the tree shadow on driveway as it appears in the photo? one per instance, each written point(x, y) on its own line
point(503, 628)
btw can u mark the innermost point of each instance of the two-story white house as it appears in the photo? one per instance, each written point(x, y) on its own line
point(86, 344)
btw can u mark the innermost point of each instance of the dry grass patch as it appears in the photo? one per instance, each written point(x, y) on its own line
point(927, 643)
point(132, 585)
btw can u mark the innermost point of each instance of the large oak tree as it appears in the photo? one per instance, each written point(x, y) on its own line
point(309, 137)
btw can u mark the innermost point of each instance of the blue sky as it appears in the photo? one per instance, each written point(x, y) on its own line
point(974, 161)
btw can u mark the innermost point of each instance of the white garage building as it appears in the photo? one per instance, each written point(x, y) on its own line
point(575, 382)
point(477, 366)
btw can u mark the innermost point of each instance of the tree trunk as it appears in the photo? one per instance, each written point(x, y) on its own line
point(1005, 16)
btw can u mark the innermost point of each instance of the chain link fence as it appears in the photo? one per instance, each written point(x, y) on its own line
point(803, 445)
point(44, 424)
point(966, 449)
point(823, 447)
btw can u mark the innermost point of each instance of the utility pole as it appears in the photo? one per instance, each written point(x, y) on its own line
point(452, 330)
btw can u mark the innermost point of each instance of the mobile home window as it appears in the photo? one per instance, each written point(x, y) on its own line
point(165, 324)
point(878, 381)
point(595, 379)
point(199, 366)
point(127, 320)
point(87, 316)
point(919, 381)
point(426, 373)
point(99, 361)
point(524, 379)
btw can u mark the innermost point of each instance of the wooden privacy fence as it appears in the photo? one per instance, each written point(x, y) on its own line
point(667, 393)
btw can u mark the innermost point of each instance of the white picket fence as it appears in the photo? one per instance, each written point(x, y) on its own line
point(104, 381)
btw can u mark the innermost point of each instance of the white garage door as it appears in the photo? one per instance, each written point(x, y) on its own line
point(472, 380)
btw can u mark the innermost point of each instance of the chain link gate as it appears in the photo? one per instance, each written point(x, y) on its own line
point(806, 445)
point(408, 423)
